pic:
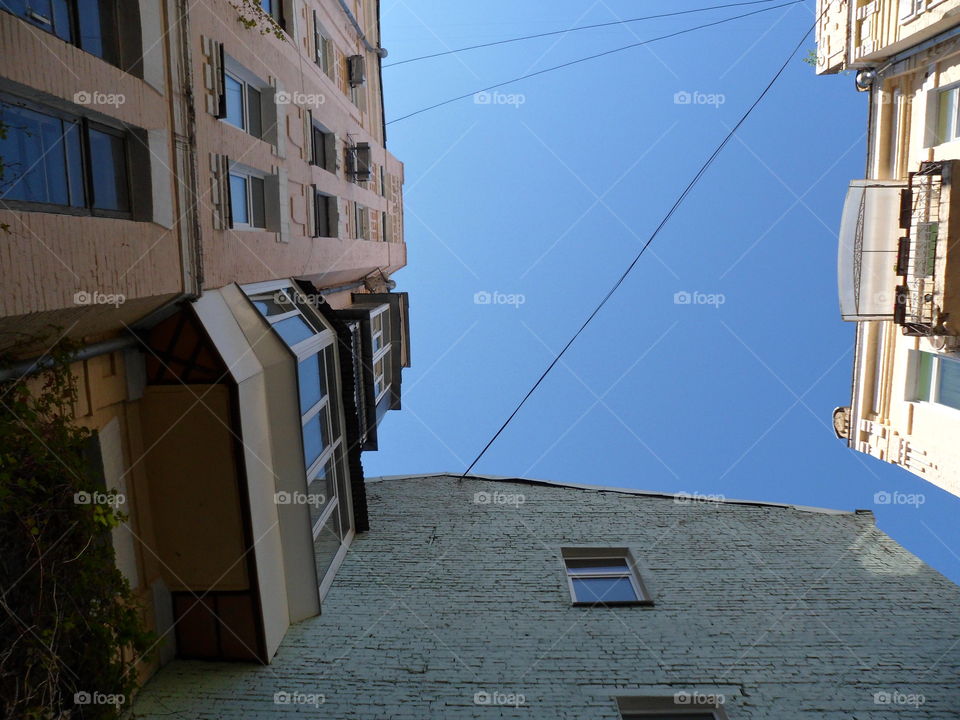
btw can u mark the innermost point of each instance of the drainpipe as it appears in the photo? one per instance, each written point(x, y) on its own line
point(28, 367)
point(381, 52)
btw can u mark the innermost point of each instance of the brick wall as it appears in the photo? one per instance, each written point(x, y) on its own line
point(787, 613)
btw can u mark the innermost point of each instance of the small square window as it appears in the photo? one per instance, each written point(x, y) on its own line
point(603, 576)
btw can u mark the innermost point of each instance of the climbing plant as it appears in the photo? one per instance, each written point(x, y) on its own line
point(69, 623)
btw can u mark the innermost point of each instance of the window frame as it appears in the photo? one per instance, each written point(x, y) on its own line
point(248, 174)
point(323, 340)
point(232, 70)
point(933, 392)
point(332, 219)
point(381, 356)
point(943, 135)
point(84, 125)
point(643, 597)
point(109, 41)
point(323, 51)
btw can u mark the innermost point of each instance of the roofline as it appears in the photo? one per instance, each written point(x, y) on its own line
point(621, 490)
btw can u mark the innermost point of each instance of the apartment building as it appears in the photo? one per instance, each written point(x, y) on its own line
point(199, 195)
point(488, 597)
point(898, 266)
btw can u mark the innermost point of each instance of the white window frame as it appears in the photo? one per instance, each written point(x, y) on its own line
point(247, 172)
point(317, 344)
point(910, 9)
point(913, 380)
point(601, 554)
point(381, 356)
point(952, 131)
point(324, 54)
point(233, 69)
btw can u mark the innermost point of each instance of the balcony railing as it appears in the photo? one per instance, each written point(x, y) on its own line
point(919, 295)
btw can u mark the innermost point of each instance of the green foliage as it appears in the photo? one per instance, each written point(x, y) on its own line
point(69, 623)
point(252, 17)
point(811, 57)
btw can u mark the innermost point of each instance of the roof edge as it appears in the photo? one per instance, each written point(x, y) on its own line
point(621, 490)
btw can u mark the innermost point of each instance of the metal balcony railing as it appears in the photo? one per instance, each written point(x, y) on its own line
point(918, 297)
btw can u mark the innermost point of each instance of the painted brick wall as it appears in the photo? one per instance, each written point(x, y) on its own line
point(787, 613)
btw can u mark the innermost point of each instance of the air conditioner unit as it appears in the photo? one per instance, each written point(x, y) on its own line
point(356, 70)
point(359, 162)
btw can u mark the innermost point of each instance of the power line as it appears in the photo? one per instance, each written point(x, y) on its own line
point(570, 30)
point(589, 57)
point(663, 222)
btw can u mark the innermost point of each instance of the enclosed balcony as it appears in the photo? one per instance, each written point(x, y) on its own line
point(867, 257)
point(894, 261)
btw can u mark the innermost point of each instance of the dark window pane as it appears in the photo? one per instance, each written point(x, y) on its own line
point(234, 91)
point(74, 158)
point(322, 490)
point(319, 147)
point(238, 200)
point(330, 380)
point(254, 125)
point(35, 157)
point(61, 20)
point(108, 170)
point(581, 566)
point(326, 545)
point(601, 590)
point(312, 382)
point(93, 20)
point(315, 438)
point(275, 303)
point(293, 330)
point(256, 200)
point(267, 6)
point(323, 215)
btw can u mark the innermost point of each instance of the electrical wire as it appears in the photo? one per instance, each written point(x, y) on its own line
point(590, 57)
point(663, 222)
point(573, 29)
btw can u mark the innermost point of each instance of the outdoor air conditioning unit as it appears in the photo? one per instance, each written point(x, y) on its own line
point(359, 162)
point(356, 70)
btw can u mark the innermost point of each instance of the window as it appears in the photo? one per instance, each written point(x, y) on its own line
point(948, 127)
point(893, 139)
point(88, 24)
point(691, 704)
point(45, 155)
point(602, 576)
point(361, 222)
point(324, 451)
point(243, 103)
point(247, 200)
point(934, 378)
point(380, 343)
point(325, 215)
point(274, 8)
point(322, 47)
point(322, 147)
point(384, 227)
point(909, 9)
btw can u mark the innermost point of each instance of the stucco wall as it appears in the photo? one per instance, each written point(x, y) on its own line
point(788, 613)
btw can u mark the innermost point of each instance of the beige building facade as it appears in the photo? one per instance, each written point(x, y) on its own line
point(199, 196)
point(899, 260)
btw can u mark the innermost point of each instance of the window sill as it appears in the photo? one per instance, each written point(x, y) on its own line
point(26, 206)
point(618, 603)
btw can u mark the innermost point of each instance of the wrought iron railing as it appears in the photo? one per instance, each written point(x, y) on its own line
point(920, 292)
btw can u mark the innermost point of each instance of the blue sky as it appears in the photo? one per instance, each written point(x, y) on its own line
point(549, 190)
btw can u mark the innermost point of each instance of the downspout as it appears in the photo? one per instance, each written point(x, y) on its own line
point(28, 367)
point(381, 52)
